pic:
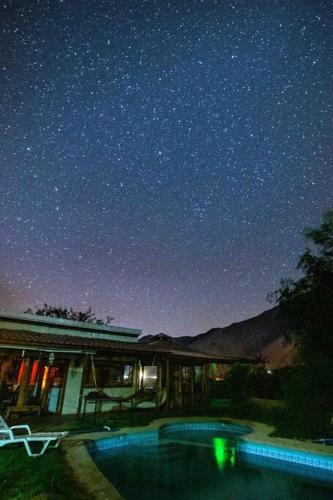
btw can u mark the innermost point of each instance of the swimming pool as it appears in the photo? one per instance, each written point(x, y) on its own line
point(209, 461)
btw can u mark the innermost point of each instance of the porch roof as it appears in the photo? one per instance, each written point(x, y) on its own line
point(22, 339)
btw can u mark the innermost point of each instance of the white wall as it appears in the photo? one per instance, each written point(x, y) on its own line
point(72, 389)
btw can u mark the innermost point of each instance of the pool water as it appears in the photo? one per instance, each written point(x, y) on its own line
point(201, 465)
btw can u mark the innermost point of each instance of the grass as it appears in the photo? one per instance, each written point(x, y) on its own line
point(113, 419)
point(270, 412)
point(266, 411)
point(45, 477)
point(49, 476)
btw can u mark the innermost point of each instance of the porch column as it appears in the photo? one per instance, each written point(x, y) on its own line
point(167, 382)
point(206, 378)
point(24, 384)
point(3, 368)
point(81, 395)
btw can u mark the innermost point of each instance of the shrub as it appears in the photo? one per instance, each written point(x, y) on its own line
point(238, 383)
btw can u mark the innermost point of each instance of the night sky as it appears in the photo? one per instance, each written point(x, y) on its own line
point(159, 159)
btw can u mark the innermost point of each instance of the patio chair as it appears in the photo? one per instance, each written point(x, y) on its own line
point(8, 436)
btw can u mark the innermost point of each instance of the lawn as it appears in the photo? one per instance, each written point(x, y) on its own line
point(114, 420)
point(45, 477)
point(50, 477)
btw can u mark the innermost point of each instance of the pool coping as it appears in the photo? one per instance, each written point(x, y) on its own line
point(98, 486)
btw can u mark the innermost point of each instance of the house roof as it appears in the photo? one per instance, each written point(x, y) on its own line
point(22, 339)
point(65, 324)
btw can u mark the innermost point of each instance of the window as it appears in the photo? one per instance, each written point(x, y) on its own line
point(186, 379)
point(198, 379)
point(149, 377)
point(109, 374)
point(198, 374)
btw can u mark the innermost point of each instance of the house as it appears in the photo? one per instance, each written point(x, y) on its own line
point(49, 364)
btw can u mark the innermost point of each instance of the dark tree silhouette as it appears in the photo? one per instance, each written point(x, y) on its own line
point(61, 312)
point(307, 308)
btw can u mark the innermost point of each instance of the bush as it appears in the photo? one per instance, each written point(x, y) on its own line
point(219, 390)
point(308, 396)
point(238, 384)
point(269, 384)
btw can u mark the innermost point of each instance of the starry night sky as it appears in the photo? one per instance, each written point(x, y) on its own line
point(158, 159)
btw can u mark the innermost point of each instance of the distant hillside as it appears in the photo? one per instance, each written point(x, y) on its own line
point(185, 340)
point(261, 336)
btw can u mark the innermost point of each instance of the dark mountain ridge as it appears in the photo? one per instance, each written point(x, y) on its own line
point(259, 337)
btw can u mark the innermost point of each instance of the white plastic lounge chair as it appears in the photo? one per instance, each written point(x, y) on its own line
point(8, 436)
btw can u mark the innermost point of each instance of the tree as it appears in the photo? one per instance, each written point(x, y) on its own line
point(307, 308)
point(61, 312)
